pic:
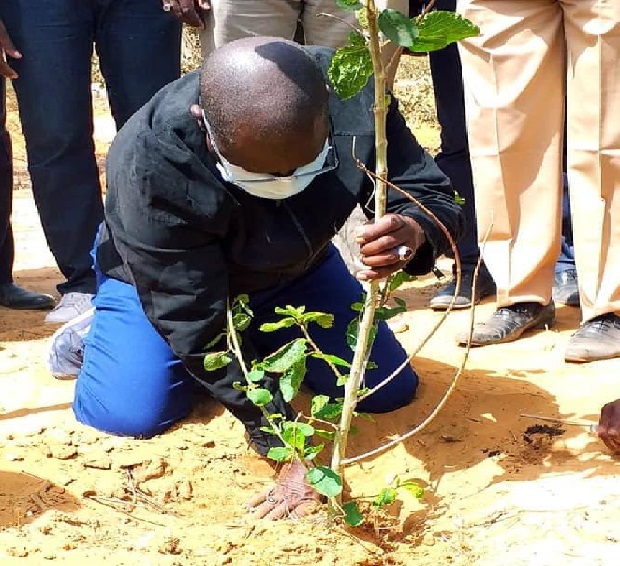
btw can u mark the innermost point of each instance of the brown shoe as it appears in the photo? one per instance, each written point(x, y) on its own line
point(509, 323)
point(597, 339)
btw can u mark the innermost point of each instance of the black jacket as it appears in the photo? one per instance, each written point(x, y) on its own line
point(187, 240)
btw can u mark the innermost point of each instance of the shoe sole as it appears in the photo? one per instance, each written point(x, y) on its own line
point(78, 318)
point(548, 323)
point(584, 360)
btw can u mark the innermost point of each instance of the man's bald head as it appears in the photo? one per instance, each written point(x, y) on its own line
point(266, 102)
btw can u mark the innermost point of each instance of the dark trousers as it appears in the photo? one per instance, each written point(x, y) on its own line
point(138, 45)
point(7, 250)
point(453, 158)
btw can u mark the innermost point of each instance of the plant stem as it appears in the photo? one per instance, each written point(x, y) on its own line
point(360, 356)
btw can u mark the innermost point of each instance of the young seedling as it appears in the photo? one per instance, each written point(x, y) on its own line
point(331, 419)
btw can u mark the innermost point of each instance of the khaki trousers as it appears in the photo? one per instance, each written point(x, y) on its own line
point(233, 19)
point(529, 56)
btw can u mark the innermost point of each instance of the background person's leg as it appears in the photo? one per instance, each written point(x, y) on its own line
point(139, 48)
point(229, 20)
point(516, 139)
point(131, 383)
point(53, 92)
point(330, 288)
point(7, 250)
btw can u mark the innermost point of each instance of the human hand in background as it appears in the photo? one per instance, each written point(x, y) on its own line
point(609, 426)
point(188, 11)
point(8, 49)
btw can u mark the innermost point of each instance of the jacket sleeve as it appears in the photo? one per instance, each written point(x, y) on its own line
point(413, 170)
point(180, 274)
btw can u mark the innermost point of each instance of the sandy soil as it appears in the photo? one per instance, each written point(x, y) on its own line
point(497, 490)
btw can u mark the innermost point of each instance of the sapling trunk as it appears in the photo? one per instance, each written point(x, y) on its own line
point(360, 356)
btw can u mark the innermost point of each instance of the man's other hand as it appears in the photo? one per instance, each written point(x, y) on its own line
point(8, 49)
point(609, 426)
point(388, 245)
point(291, 497)
point(188, 11)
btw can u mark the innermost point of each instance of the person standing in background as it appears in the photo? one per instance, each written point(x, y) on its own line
point(11, 295)
point(139, 52)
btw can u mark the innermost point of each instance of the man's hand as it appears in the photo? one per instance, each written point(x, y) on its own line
point(291, 497)
point(387, 245)
point(188, 11)
point(7, 47)
point(609, 426)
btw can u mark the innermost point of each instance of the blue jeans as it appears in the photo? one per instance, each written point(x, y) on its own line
point(132, 384)
point(139, 51)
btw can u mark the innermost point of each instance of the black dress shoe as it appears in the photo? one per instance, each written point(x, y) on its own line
point(509, 323)
point(15, 297)
point(485, 287)
point(565, 288)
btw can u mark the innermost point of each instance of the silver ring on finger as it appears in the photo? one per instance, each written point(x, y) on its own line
point(167, 6)
point(404, 252)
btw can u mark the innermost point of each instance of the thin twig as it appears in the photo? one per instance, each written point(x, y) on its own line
point(448, 392)
point(354, 28)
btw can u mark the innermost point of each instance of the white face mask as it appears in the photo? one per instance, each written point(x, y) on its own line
point(267, 186)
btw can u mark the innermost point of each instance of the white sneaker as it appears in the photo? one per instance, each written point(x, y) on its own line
point(66, 349)
point(70, 306)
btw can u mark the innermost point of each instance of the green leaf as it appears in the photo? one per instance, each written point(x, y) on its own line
point(285, 357)
point(288, 310)
point(385, 313)
point(311, 452)
point(414, 488)
point(295, 434)
point(342, 379)
point(352, 515)
point(303, 428)
point(239, 386)
point(216, 360)
point(352, 332)
point(241, 321)
point(215, 340)
point(321, 408)
point(268, 430)
point(350, 5)
point(326, 434)
point(397, 27)
point(458, 199)
point(439, 28)
point(350, 68)
point(398, 279)
point(280, 453)
point(325, 481)
point(273, 326)
point(337, 361)
point(260, 397)
point(357, 307)
point(292, 379)
point(365, 416)
point(323, 319)
point(256, 375)
point(386, 496)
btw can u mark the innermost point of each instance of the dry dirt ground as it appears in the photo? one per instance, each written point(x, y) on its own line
point(498, 492)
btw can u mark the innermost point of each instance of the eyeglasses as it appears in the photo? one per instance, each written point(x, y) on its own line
point(331, 161)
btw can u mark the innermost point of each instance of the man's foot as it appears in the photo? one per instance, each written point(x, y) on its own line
point(14, 297)
point(70, 306)
point(66, 350)
point(485, 287)
point(509, 323)
point(565, 288)
point(597, 339)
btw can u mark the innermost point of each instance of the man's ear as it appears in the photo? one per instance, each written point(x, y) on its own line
point(196, 112)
